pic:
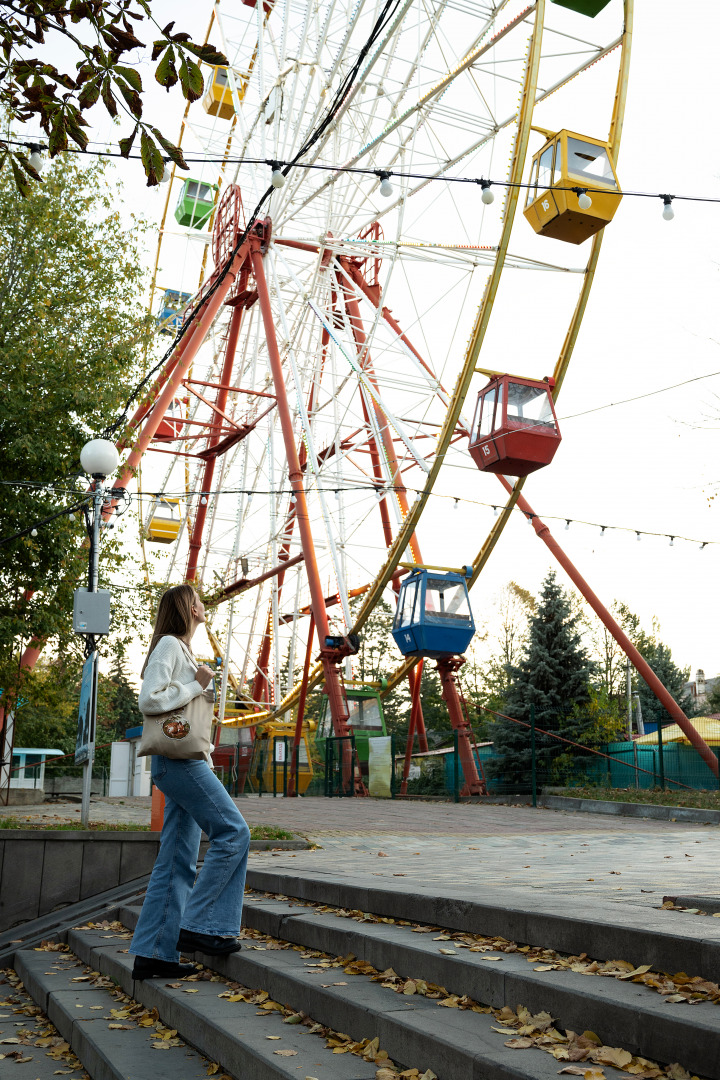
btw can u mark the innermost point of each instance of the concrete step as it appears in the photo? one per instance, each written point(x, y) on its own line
point(621, 1013)
point(233, 1034)
point(80, 1011)
point(668, 940)
point(455, 1044)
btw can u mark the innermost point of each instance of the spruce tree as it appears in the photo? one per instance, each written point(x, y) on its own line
point(553, 675)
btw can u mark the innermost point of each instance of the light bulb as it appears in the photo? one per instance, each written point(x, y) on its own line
point(71, 517)
point(166, 173)
point(203, 501)
point(36, 159)
point(277, 180)
point(567, 525)
point(637, 536)
point(668, 212)
point(337, 494)
point(386, 188)
point(33, 532)
point(487, 195)
point(456, 504)
point(584, 200)
point(672, 541)
point(602, 531)
point(495, 511)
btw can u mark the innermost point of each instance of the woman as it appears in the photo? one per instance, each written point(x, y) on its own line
point(179, 914)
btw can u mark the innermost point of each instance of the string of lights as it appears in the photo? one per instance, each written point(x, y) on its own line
point(379, 492)
point(385, 175)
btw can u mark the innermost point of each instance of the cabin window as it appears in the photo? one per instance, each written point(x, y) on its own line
point(532, 189)
point(488, 411)
point(545, 177)
point(529, 405)
point(446, 602)
point(589, 161)
point(364, 715)
point(404, 616)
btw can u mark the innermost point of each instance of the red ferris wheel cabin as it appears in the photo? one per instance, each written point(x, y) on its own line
point(514, 430)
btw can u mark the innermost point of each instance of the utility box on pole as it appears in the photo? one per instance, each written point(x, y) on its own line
point(91, 612)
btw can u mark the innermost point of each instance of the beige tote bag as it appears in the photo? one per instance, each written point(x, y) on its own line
point(182, 733)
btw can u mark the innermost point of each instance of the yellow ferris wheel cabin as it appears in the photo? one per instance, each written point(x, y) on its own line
point(574, 191)
point(218, 100)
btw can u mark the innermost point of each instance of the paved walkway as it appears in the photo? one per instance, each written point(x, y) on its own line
point(515, 847)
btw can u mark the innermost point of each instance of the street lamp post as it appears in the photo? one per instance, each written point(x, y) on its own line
point(91, 612)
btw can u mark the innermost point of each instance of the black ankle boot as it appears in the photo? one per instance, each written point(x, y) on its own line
point(146, 967)
point(209, 944)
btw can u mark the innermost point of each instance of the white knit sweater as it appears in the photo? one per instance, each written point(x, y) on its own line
point(169, 681)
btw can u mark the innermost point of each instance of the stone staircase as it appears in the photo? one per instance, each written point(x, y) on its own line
point(352, 992)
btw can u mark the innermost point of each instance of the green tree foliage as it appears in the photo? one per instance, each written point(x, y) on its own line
point(712, 705)
point(48, 712)
point(659, 657)
point(553, 675)
point(72, 333)
point(48, 708)
point(36, 35)
point(514, 605)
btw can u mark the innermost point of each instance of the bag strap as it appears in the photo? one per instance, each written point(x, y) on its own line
point(189, 655)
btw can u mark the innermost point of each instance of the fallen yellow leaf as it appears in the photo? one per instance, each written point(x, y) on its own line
point(519, 1044)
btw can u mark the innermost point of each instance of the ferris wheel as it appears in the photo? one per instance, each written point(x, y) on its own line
point(299, 440)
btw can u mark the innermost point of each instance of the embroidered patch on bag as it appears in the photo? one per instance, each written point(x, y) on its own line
point(175, 727)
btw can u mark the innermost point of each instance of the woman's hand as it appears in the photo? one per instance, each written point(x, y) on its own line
point(204, 675)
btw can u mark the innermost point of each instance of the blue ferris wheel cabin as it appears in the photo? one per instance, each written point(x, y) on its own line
point(433, 617)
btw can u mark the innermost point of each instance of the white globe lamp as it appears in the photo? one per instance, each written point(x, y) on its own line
point(99, 458)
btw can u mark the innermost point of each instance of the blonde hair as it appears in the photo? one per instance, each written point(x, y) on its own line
point(174, 615)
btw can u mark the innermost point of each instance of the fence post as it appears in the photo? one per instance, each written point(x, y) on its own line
point(718, 757)
point(356, 765)
point(274, 765)
point(285, 767)
point(392, 766)
point(456, 766)
point(327, 767)
point(533, 756)
point(660, 754)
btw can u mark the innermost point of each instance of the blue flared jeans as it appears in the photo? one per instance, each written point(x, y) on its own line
point(195, 800)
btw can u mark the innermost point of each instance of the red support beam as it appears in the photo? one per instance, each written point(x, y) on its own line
point(641, 665)
point(335, 692)
point(447, 668)
point(220, 403)
point(187, 350)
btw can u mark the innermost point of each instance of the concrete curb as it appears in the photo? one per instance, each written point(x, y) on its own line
point(141, 836)
point(631, 810)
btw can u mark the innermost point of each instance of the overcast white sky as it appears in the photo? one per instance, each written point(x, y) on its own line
point(651, 322)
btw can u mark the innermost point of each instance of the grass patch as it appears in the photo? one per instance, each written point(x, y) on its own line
point(93, 826)
point(270, 832)
point(257, 832)
point(700, 800)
